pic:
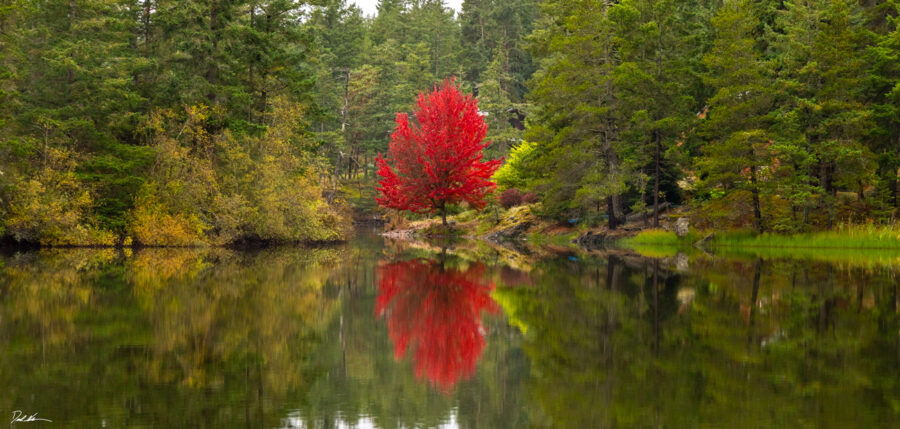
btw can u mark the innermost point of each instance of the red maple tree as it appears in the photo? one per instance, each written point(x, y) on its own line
point(435, 314)
point(439, 161)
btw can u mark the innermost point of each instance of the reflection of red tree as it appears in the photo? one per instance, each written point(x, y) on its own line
point(436, 314)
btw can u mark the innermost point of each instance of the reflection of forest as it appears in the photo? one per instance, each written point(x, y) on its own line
point(174, 338)
point(738, 344)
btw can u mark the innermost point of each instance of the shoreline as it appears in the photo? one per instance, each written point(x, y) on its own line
point(17, 247)
point(526, 229)
point(519, 225)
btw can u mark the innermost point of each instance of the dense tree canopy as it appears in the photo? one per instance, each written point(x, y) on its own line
point(123, 118)
point(768, 114)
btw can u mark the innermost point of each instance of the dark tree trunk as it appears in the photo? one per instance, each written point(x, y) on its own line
point(826, 182)
point(897, 191)
point(252, 84)
point(337, 166)
point(656, 186)
point(146, 20)
point(659, 77)
point(757, 210)
point(345, 106)
point(613, 222)
point(212, 71)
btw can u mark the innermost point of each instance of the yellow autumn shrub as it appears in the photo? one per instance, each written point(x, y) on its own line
point(52, 206)
point(226, 187)
point(154, 224)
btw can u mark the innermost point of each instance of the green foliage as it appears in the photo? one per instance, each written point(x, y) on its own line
point(514, 173)
point(789, 109)
point(127, 116)
point(616, 90)
point(882, 85)
point(495, 100)
point(493, 34)
point(786, 104)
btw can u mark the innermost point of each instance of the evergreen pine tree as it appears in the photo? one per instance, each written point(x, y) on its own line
point(738, 152)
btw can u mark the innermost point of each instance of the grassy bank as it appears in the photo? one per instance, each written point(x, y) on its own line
point(844, 237)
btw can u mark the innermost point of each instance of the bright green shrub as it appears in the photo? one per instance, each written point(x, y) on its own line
point(512, 174)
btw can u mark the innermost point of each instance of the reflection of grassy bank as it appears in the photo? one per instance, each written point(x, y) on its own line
point(843, 237)
point(562, 239)
point(857, 246)
point(852, 257)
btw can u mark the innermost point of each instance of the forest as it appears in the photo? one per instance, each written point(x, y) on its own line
point(163, 122)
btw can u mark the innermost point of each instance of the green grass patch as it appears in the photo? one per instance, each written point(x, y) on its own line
point(843, 237)
point(658, 237)
point(466, 216)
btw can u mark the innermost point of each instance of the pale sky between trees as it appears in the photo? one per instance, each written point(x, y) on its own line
point(369, 7)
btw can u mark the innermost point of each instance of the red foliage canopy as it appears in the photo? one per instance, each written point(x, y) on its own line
point(438, 161)
point(436, 314)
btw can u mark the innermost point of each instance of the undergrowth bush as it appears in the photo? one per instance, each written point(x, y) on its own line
point(510, 198)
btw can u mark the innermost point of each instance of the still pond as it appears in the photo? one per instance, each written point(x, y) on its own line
point(382, 334)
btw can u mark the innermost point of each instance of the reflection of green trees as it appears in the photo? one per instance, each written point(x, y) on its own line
point(174, 338)
point(738, 344)
point(44, 294)
point(241, 309)
point(817, 343)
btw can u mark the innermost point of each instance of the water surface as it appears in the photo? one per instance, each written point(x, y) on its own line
point(388, 335)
